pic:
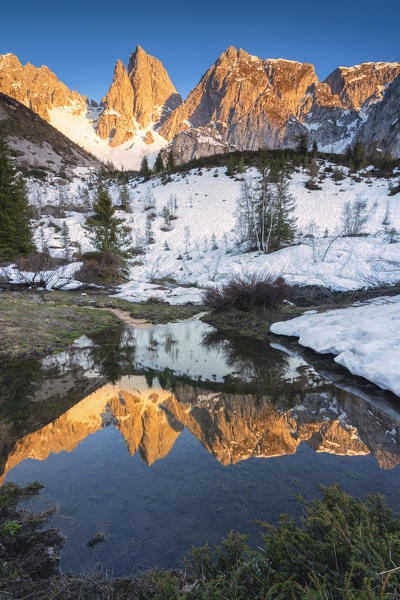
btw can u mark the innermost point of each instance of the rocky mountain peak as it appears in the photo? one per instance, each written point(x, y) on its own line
point(154, 93)
point(37, 88)
point(116, 122)
point(245, 100)
point(363, 83)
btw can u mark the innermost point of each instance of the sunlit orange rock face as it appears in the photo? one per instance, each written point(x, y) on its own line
point(231, 427)
point(247, 99)
point(116, 122)
point(137, 99)
point(242, 102)
point(37, 88)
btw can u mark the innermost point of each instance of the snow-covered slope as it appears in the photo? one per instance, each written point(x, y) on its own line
point(201, 249)
point(364, 338)
point(81, 127)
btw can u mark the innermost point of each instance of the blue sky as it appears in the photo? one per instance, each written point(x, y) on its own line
point(81, 40)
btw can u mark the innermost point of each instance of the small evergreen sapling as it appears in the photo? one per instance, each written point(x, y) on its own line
point(106, 232)
point(149, 231)
point(66, 241)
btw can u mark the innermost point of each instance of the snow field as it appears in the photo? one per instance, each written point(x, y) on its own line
point(206, 206)
point(365, 338)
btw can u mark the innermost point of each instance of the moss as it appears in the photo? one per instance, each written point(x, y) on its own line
point(30, 326)
point(254, 324)
point(163, 313)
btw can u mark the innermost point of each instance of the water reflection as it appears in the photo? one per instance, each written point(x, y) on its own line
point(88, 422)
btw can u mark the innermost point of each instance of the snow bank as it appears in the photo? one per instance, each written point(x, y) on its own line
point(61, 277)
point(205, 205)
point(365, 338)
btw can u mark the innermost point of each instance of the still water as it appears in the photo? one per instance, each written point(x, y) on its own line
point(166, 436)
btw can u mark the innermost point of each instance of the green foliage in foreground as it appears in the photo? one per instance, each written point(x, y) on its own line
point(343, 549)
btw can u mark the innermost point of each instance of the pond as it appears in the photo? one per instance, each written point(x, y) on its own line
point(170, 435)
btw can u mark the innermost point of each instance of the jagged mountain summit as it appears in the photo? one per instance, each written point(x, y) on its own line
point(242, 102)
point(231, 427)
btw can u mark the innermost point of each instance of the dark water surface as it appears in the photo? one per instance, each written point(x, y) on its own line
point(168, 436)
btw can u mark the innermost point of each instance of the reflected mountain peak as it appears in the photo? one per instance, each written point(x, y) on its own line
point(232, 427)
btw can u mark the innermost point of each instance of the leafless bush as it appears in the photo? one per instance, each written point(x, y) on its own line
point(101, 269)
point(248, 291)
point(355, 216)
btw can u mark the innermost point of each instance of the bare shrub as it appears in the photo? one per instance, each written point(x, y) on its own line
point(355, 216)
point(248, 291)
point(101, 268)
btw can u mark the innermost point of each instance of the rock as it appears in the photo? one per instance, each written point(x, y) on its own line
point(382, 127)
point(117, 122)
point(37, 88)
point(361, 84)
point(98, 538)
point(148, 138)
point(154, 94)
point(247, 99)
point(196, 143)
point(241, 103)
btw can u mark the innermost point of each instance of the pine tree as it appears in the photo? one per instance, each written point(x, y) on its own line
point(214, 245)
point(166, 215)
point(124, 198)
point(359, 158)
point(348, 156)
point(242, 167)
point(170, 163)
point(315, 148)
point(264, 214)
point(230, 169)
point(149, 231)
point(159, 164)
point(66, 241)
point(302, 143)
point(106, 231)
point(284, 229)
point(15, 231)
point(144, 169)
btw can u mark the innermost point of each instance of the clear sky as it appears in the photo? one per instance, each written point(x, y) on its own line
point(80, 40)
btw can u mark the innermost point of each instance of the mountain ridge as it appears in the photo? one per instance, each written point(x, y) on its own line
point(242, 102)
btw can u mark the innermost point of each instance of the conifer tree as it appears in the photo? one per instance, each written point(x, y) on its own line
point(170, 163)
point(284, 227)
point(159, 164)
point(66, 241)
point(359, 158)
point(302, 144)
point(315, 148)
point(230, 169)
point(124, 198)
point(144, 169)
point(15, 231)
point(149, 231)
point(265, 220)
point(241, 167)
point(105, 230)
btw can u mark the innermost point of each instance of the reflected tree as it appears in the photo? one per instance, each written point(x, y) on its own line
point(113, 354)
